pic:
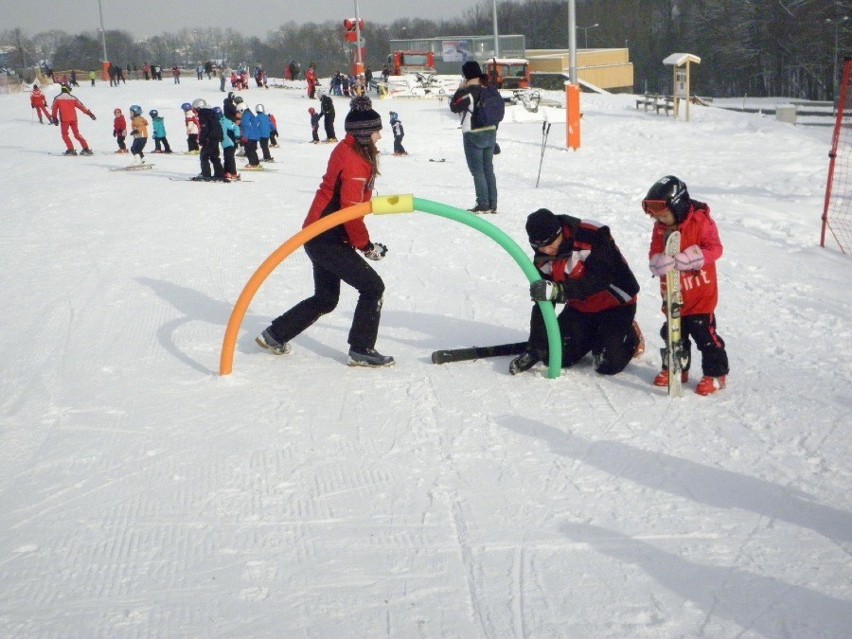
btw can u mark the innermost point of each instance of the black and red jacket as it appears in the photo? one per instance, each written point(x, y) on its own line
point(594, 275)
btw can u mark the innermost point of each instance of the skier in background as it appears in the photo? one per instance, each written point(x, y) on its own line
point(119, 130)
point(64, 109)
point(398, 134)
point(159, 126)
point(264, 130)
point(581, 267)
point(315, 120)
point(669, 204)
point(139, 131)
point(230, 135)
point(273, 133)
point(209, 137)
point(327, 112)
point(38, 101)
point(311, 77)
point(190, 119)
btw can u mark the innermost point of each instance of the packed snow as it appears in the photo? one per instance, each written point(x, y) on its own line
point(145, 495)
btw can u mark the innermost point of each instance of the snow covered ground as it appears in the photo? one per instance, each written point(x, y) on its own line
point(143, 495)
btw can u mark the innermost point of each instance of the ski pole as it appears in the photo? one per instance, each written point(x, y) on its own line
point(545, 130)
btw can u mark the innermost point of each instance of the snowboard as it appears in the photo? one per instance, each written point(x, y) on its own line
point(674, 305)
point(477, 352)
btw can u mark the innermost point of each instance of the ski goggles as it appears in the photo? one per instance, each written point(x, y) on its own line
point(654, 207)
point(546, 242)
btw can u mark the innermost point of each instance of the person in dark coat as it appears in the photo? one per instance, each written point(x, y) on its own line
point(582, 268)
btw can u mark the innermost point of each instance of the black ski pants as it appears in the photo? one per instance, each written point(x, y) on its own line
point(210, 156)
point(702, 330)
point(335, 262)
point(608, 335)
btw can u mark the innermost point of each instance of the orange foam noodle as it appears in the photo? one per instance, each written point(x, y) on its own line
point(226, 361)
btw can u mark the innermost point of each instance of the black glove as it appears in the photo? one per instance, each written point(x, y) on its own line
point(92, 115)
point(545, 291)
point(375, 251)
point(55, 122)
point(114, 133)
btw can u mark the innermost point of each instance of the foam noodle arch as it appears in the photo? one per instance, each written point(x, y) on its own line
point(383, 206)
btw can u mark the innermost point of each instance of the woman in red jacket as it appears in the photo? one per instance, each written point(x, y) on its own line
point(668, 202)
point(352, 169)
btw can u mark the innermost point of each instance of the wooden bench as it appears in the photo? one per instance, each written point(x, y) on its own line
point(654, 101)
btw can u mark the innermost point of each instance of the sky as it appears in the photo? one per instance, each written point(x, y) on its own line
point(160, 16)
point(144, 495)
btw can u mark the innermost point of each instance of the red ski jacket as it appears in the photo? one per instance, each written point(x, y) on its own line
point(67, 105)
point(700, 289)
point(348, 180)
point(37, 99)
point(594, 275)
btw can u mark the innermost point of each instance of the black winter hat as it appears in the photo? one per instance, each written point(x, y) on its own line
point(362, 121)
point(543, 227)
point(471, 70)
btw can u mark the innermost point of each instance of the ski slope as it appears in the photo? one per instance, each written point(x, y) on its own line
point(144, 495)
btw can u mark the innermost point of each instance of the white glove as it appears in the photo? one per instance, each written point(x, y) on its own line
point(661, 264)
point(375, 251)
point(690, 259)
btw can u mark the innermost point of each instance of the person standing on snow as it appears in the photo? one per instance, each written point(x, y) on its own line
point(352, 169)
point(264, 130)
point(581, 267)
point(39, 102)
point(209, 138)
point(327, 112)
point(250, 136)
point(398, 134)
point(668, 202)
point(190, 118)
point(139, 131)
point(119, 130)
point(311, 77)
point(230, 135)
point(315, 120)
point(64, 109)
point(159, 126)
point(479, 143)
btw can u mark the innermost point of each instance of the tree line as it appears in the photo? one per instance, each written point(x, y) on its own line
point(754, 47)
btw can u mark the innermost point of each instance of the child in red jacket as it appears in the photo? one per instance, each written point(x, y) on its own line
point(668, 202)
point(119, 130)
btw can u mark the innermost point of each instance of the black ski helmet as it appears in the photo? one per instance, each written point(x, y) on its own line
point(673, 192)
point(153, 113)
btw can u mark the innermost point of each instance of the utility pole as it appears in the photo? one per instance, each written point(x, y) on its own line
point(496, 37)
point(105, 61)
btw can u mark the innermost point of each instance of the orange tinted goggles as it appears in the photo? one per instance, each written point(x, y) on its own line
point(654, 207)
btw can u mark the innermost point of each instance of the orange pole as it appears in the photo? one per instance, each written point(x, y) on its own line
point(226, 360)
point(572, 115)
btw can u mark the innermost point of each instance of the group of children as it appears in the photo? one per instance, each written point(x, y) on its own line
point(240, 127)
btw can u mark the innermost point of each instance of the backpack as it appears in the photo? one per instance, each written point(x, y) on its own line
point(489, 108)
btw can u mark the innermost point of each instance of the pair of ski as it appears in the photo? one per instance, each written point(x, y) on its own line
point(448, 356)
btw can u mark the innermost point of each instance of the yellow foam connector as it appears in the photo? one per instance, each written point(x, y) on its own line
point(392, 204)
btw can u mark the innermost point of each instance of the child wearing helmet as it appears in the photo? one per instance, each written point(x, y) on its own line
point(139, 131)
point(264, 130)
point(159, 126)
point(119, 130)
point(398, 134)
point(190, 118)
point(669, 204)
